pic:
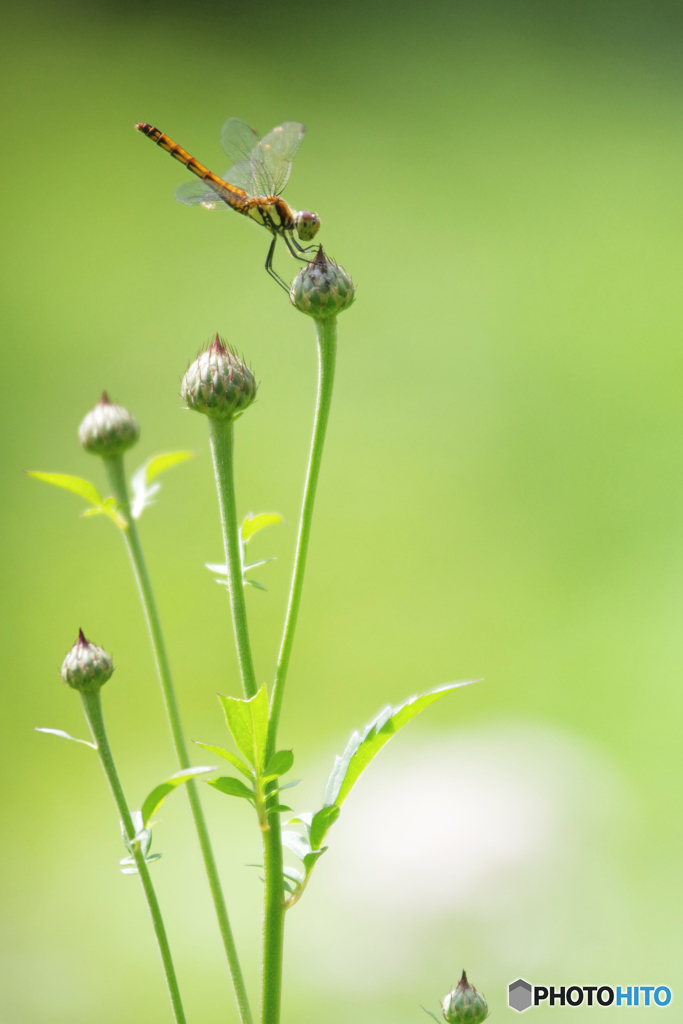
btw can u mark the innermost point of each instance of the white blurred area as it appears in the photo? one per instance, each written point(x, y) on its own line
point(490, 849)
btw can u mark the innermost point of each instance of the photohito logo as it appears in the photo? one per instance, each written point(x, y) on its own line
point(522, 995)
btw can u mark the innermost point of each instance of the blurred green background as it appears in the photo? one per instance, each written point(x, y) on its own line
point(502, 494)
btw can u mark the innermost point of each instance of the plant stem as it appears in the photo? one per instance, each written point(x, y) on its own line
point(92, 706)
point(274, 906)
point(273, 922)
point(326, 331)
point(117, 480)
point(222, 450)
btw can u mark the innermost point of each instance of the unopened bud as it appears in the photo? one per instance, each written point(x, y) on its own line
point(86, 666)
point(218, 383)
point(108, 430)
point(323, 288)
point(464, 1005)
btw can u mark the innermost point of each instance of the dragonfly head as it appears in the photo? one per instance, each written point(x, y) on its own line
point(307, 225)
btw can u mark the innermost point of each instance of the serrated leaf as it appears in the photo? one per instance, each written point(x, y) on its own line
point(321, 823)
point(143, 489)
point(252, 524)
point(228, 756)
point(65, 736)
point(297, 843)
point(279, 764)
point(232, 787)
point(248, 724)
point(160, 792)
point(70, 483)
point(363, 747)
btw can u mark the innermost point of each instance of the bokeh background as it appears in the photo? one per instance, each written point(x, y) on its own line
point(502, 494)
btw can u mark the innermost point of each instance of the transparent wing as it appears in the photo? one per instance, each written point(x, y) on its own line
point(271, 159)
point(196, 193)
point(242, 175)
point(238, 139)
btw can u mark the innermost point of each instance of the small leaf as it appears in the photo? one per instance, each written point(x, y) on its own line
point(311, 858)
point(297, 843)
point(228, 756)
point(322, 822)
point(252, 524)
point(215, 567)
point(65, 736)
point(143, 489)
point(279, 764)
point(159, 794)
point(288, 785)
point(280, 808)
point(432, 1015)
point(71, 483)
point(232, 787)
point(363, 747)
point(254, 583)
point(248, 723)
point(292, 873)
point(255, 565)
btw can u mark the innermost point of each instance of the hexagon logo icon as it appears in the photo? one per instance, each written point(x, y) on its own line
point(519, 995)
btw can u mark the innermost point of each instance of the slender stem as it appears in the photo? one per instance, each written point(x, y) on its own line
point(327, 349)
point(92, 706)
point(273, 923)
point(117, 480)
point(274, 905)
point(222, 450)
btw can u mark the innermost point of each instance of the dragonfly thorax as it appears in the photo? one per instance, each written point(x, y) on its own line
point(307, 224)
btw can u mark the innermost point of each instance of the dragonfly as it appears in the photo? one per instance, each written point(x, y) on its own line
point(252, 185)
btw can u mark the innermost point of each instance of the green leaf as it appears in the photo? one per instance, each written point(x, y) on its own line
point(321, 823)
point(251, 583)
point(232, 787)
point(297, 843)
point(293, 874)
point(228, 756)
point(252, 524)
point(363, 747)
point(160, 792)
point(248, 723)
point(143, 489)
point(311, 858)
point(71, 483)
point(280, 808)
point(279, 764)
point(65, 736)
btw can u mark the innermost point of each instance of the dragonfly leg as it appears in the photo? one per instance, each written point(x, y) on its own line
point(269, 266)
point(290, 242)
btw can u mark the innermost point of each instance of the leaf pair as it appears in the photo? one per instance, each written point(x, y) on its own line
point(143, 489)
point(248, 724)
point(251, 525)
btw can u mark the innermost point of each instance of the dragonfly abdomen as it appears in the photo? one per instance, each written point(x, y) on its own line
point(235, 197)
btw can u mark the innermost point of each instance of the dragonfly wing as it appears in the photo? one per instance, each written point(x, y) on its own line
point(238, 139)
point(241, 175)
point(196, 193)
point(271, 159)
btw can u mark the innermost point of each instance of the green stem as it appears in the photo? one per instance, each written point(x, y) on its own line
point(274, 906)
point(92, 706)
point(117, 480)
point(327, 349)
point(273, 922)
point(222, 450)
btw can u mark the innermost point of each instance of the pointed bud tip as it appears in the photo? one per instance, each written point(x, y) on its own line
point(81, 638)
point(105, 399)
point(218, 346)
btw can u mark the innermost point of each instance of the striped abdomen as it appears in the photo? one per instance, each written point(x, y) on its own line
point(232, 195)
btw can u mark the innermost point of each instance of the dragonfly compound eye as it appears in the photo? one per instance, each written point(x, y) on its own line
point(307, 225)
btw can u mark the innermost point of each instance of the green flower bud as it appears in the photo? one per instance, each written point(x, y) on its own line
point(108, 430)
point(323, 288)
point(218, 383)
point(464, 1005)
point(86, 666)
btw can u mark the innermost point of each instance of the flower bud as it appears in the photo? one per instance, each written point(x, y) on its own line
point(108, 430)
point(322, 289)
point(86, 666)
point(464, 1005)
point(218, 383)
